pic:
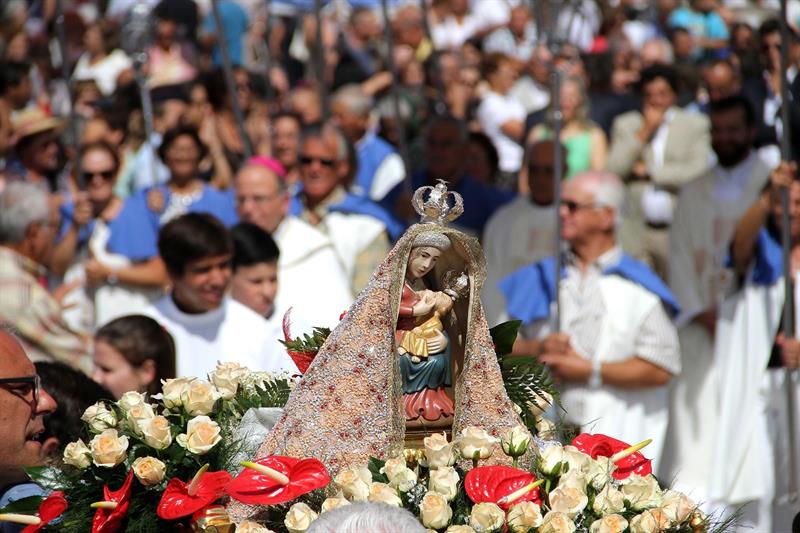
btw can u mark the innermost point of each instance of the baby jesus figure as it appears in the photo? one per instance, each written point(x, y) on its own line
point(430, 328)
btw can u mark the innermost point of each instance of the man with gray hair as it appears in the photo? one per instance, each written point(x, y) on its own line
point(360, 517)
point(28, 226)
point(380, 168)
point(615, 349)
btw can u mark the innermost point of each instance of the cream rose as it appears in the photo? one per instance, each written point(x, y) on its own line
point(515, 441)
point(612, 523)
point(444, 480)
point(156, 432)
point(149, 470)
point(677, 506)
point(523, 517)
point(574, 479)
point(383, 493)
point(608, 501)
point(651, 521)
point(439, 452)
point(130, 399)
point(600, 469)
point(226, 378)
point(541, 402)
point(556, 522)
point(550, 459)
point(199, 397)
point(77, 454)
point(434, 511)
point(99, 417)
point(201, 435)
point(578, 461)
point(248, 526)
point(139, 414)
point(333, 503)
point(172, 391)
point(299, 517)
point(108, 448)
point(642, 492)
point(355, 483)
point(486, 517)
point(400, 476)
point(474, 440)
point(459, 529)
point(545, 428)
point(568, 500)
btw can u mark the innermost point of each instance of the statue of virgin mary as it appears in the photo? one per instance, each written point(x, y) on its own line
point(351, 405)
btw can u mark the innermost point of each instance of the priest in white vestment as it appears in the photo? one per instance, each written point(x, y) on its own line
point(522, 231)
point(706, 216)
point(616, 349)
point(311, 279)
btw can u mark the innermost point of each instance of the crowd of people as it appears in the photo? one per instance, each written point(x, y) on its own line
point(131, 256)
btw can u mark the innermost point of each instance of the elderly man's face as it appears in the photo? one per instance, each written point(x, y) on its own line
point(720, 82)
point(21, 412)
point(318, 169)
point(581, 218)
point(286, 141)
point(350, 123)
point(41, 153)
point(259, 198)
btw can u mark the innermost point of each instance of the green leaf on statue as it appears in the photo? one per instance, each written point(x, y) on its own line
point(504, 335)
point(29, 505)
point(375, 466)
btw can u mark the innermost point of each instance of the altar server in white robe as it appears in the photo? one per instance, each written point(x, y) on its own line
point(311, 279)
point(522, 231)
point(617, 348)
point(706, 216)
point(751, 455)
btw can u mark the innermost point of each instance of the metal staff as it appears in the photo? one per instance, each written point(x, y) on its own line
point(61, 32)
point(399, 124)
point(319, 63)
point(441, 106)
point(788, 307)
point(558, 175)
point(263, 51)
point(230, 82)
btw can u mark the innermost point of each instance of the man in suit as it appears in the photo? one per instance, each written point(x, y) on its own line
point(656, 151)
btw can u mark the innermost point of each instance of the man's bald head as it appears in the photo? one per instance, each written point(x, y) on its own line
point(261, 197)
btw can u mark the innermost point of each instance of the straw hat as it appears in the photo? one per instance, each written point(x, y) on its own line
point(32, 121)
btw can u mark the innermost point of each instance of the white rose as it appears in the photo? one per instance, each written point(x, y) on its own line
point(299, 517)
point(545, 428)
point(334, 502)
point(400, 476)
point(574, 479)
point(459, 529)
point(578, 461)
point(609, 501)
point(131, 398)
point(651, 521)
point(393, 466)
point(568, 500)
point(677, 506)
point(551, 458)
point(474, 440)
point(172, 391)
point(149, 470)
point(77, 454)
point(138, 414)
point(600, 469)
point(642, 492)
point(383, 493)
point(434, 511)
point(108, 448)
point(612, 523)
point(248, 526)
point(226, 378)
point(99, 417)
point(486, 517)
point(439, 452)
point(355, 483)
point(541, 402)
point(156, 432)
point(201, 435)
point(556, 522)
point(524, 516)
point(444, 480)
point(515, 441)
point(199, 397)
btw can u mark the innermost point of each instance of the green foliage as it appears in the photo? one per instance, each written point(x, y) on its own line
point(308, 343)
point(375, 466)
point(504, 335)
point(29, 505)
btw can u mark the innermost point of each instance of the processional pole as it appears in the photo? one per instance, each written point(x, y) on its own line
point(264, 51)
point(788, 303)
point(319, 62)
point(440, 106)
point(399, 124)
point(61, 32)
point(230, 82)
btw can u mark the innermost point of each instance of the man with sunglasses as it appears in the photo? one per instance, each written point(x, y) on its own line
point(23, 404)
point(615, 349)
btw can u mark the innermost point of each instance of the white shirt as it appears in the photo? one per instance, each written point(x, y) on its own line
point(494, 111)
point(105, 72)
point(730, 183)
point(232, 332)
point(450, 35)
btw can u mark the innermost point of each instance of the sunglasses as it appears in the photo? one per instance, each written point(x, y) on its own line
point(308, 160)
point(573, 206)
point(29, 384)
point(107, 175)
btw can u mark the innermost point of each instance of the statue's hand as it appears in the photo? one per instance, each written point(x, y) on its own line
point(438, 343)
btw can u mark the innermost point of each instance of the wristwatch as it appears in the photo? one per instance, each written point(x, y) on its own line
point(596, 379)
point(112, 278)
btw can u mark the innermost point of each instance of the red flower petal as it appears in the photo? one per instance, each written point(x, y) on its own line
point(51, 508)
point(599, 445)
point(253, 487)
point(110, 520)
point(491, 483)
point(176, 502)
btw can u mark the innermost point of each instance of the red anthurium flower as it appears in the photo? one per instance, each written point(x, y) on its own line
point(599, 445)
point(111, 511)
point(51, 508)
point(502, 485)
point(182, 499)
point(277, 479)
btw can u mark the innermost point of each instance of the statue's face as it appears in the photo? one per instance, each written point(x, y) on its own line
point(422, 261)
